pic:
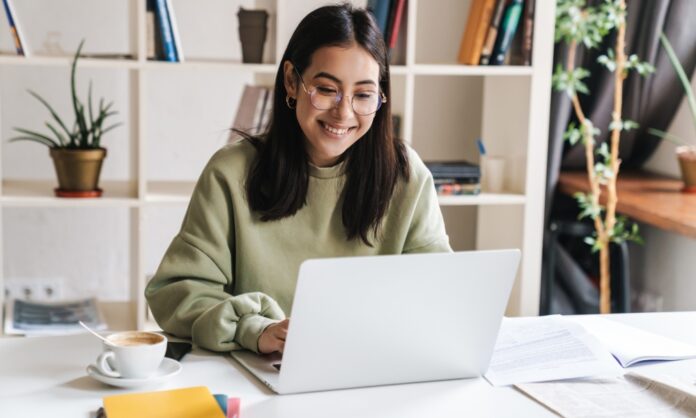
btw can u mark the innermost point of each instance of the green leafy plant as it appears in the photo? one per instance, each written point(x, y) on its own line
point(684, 79)
point(87, 129)
point(579, 24)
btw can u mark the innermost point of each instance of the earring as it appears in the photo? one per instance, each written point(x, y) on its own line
point(291, 102)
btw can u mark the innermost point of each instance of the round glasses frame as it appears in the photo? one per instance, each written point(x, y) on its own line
point(339, 97)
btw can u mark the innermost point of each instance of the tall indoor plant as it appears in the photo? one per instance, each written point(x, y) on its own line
point(686, 153)
point(578, 24)
point(77, 153)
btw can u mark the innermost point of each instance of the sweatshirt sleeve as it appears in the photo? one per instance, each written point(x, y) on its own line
point(426, 233)
point(187, 294)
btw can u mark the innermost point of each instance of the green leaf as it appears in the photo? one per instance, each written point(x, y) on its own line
point(686, 84)
point(666, 135)
point(58, 135)
point(572, 134)
point(50, 109)
point(47, 142)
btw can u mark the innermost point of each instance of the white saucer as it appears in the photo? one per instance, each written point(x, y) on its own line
point(167, 369)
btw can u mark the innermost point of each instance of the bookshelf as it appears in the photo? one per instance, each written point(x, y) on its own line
point(444, 107)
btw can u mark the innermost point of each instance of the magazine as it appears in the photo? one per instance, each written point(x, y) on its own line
point(24, 317)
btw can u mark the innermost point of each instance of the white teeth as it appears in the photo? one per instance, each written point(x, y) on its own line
point(334, 130)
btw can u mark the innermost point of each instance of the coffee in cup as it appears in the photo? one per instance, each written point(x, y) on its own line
point(132, 354)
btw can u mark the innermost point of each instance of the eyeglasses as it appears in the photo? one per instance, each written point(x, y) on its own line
point(325, 98)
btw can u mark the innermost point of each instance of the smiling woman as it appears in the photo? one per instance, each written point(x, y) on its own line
point(328, 179)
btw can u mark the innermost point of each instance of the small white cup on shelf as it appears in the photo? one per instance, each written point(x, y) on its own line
point(492, 174)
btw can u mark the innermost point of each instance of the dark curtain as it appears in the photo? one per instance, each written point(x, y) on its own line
point(651, 101)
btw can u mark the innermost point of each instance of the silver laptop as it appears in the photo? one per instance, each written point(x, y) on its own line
point(368, 321)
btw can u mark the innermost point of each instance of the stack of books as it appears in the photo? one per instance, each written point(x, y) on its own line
point(163, 41)
point(498, 32)
point(26, 317)
point(254, 111)
point(455, 177)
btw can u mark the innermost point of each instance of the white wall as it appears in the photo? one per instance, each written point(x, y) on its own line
point(663, 268)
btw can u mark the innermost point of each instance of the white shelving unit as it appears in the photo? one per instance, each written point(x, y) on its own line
point(444, 107)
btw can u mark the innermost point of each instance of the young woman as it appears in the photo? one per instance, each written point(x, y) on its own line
point(328, 179)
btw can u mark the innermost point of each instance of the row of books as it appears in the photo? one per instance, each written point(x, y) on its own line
point(162, 33)
point(455, 177)
point(498, 32)
point(388, 14)
point(163, 42)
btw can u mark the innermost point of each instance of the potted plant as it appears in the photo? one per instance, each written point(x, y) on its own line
point(77, 153)
point(686, 154)
point(578, 24)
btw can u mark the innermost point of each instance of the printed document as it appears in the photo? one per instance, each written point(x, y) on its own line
point(631, 345)
point(538, 349)
point(633, 395)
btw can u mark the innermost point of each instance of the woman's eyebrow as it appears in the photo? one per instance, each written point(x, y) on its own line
point(335, 79)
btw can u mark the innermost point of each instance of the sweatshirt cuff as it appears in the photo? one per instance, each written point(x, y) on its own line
point(249, 329)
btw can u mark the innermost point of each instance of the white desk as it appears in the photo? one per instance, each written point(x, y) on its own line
point(45, 377)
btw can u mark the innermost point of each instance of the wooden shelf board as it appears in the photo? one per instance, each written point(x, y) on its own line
point(169, 191)
point(483, 199)
point(24, 193)
point(211, 64)
point(645, 197)
point(47, 61)
point(471, 70)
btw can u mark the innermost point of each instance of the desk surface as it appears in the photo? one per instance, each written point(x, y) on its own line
point(647, 198)
point(45, 376)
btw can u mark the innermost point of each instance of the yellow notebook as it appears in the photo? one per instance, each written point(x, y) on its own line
point(193, 402)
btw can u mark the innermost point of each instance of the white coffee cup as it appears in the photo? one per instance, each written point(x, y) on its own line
point(132, 354)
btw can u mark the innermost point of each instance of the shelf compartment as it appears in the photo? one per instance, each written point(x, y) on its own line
point(37, 193)
point(483, 199)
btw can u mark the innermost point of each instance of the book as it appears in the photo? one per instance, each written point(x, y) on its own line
point(452, 187)
point(508, 28)
point(24, 317)
point(15, 31)
point(380, 10)
point(527, 32)
point(169, 52)
point(454, 169)
point(175, 32)
point(153, 41)
point(266, 111)
point(630, 345)
point(253, 112)
point(191, 402)
point(480, 13)
point(492, 33)
point(398, 7)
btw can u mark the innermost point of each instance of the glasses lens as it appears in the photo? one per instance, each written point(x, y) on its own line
point(366, 103)
point(323, 98)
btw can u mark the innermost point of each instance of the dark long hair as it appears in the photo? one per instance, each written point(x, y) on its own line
point(278, 178)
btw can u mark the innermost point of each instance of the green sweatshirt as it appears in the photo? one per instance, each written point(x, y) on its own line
point(227, 275)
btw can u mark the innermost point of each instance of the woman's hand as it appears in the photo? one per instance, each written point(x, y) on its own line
point(273, 337)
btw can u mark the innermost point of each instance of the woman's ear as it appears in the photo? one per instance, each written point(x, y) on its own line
point(289, 79)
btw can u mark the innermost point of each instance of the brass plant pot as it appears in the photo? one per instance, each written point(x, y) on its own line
point(78, 169)
point(687, 162)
